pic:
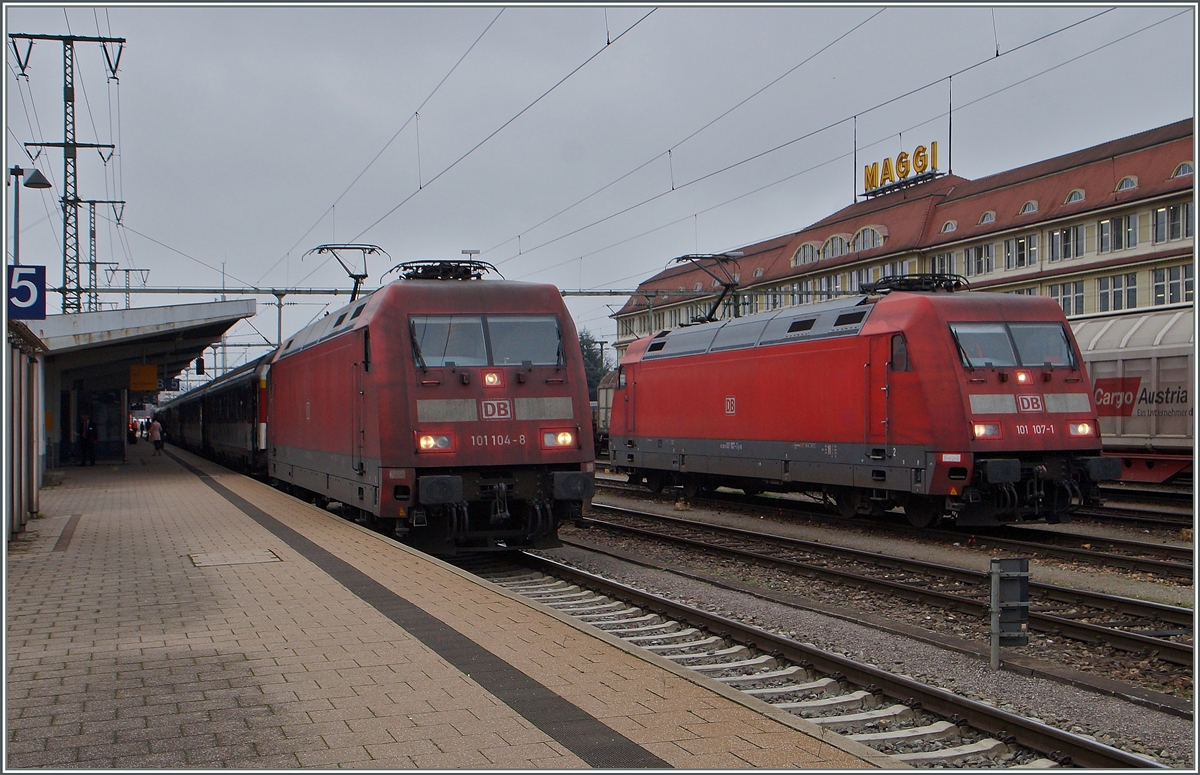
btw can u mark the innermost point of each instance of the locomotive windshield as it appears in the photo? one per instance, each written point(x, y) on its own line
point(1012, 344)
point(468, 340)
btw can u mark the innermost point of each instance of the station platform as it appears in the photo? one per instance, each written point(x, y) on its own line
point(169, 613)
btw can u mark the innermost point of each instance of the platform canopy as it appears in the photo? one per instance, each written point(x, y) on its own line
point(94, 350)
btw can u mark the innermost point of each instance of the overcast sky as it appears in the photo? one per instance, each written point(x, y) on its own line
point(580, 146)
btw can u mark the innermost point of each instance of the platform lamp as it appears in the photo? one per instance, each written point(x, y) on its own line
point(35, 180)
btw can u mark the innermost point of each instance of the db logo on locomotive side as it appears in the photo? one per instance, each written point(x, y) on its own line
point(496, 409)
point(1030, 404)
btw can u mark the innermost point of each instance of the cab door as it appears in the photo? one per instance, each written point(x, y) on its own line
point(877, 396)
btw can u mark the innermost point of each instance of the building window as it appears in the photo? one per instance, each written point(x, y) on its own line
point(805, 255)
point(758, 271)
point(978, 260)
point(1020, 251)
point(866, 239)
point(697, 286)
point(1069, 296)
point(1028, 207)
point(1173, 222)
point(835, 246)
point(988, 217)
point(1117, 292)
point(806, 296)
point(1117, 233)
point(949, 226)
point(857, 278)
point(893, 269)
point(1182, 170)
point(1024, 292)
point(1173, 285)
point(1066, 243)
point(942, 263)
point(1074, 196)
point(1127, 183)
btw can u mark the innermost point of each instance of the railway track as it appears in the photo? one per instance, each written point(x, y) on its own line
point(917, 724)
point(1123, 623)
point(1161, 560)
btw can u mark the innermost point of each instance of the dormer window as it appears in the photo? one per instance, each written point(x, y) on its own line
point(867, 238)
point(1029, 207)
point(835, 246)
point(758, 271)
point(1128, 182)
point(988, 217)
point(806, 254)
point(949, 226)
point(1074, 196)
point(698, 286)
point(1183, 170)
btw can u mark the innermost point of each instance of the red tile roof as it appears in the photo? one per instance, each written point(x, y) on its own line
point(912, 218)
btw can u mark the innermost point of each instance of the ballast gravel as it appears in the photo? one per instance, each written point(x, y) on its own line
point(1164, 737)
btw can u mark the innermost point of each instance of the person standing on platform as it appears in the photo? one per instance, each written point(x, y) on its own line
point(156, 435)
point(88, 435)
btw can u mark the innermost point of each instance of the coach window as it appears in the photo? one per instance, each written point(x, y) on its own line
point(899, 353)
point(621, 378)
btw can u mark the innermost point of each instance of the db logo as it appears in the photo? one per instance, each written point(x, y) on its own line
point(1115, 396)
point(730, 405)
point(497, 409)
point(1030, 404)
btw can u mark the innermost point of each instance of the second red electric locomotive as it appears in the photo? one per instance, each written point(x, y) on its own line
point(967, 406)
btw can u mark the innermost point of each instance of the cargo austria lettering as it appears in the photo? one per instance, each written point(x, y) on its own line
point(1125, 397)
point(922, 160)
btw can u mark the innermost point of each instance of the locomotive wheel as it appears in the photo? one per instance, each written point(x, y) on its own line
point(923, 511)
point(655, 481)
point(752, 489)
point(693, 487)
point(847, 503)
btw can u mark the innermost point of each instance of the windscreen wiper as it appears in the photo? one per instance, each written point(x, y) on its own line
point(963, 353)
point(412, 333)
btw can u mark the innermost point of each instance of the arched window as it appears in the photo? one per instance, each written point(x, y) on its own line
point(1074, 196)
point(834, 246)
point(1183, 169)
point(806, 254)
point(988, 217)
point(1029, 207)
point(758, 271)
point(867, 238)
point(949, 226)
point(1127, 182)
point(698, 286)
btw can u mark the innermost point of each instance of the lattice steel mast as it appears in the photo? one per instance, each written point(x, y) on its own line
point(71, 290)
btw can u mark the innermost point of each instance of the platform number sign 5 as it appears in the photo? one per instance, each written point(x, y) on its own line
point(26, 292)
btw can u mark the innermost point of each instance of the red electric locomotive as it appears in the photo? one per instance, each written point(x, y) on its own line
point(445, 409)
point(967, 406)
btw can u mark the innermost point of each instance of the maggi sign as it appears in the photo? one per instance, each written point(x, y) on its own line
point(891, 171)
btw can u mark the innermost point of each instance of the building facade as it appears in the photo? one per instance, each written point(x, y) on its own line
point(1103, 229)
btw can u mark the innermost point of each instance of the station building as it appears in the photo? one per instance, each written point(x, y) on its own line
point(1103, 229)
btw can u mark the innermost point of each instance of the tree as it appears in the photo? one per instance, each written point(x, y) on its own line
point(594, 364)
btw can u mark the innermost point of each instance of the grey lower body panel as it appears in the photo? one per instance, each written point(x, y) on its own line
point(788, 464)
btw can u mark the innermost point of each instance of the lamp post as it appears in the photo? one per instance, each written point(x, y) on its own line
point(35, 180)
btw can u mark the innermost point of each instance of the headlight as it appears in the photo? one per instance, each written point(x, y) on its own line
point(1024, 377)
point(986, 430)
point(1081, 428)
point(493, 379)
point(558, 439)
point(435, 442)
